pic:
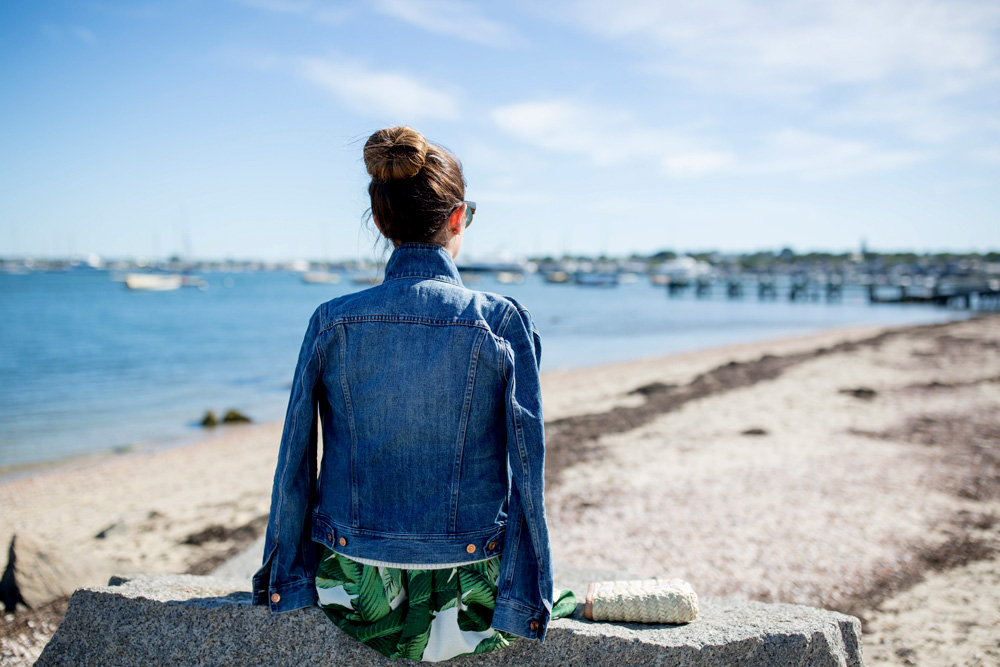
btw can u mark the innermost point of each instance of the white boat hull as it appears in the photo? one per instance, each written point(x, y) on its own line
point(320, 278)
point(153, 282)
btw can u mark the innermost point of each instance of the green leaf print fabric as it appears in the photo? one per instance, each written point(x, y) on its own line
point(430, 615)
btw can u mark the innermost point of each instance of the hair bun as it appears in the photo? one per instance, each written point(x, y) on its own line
point(395, 152)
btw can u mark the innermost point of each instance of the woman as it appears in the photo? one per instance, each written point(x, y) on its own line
point(422, 532)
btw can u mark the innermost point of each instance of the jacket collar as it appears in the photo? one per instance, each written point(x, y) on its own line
point(422, 260)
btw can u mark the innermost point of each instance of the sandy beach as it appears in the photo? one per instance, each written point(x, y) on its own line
point(857, 469)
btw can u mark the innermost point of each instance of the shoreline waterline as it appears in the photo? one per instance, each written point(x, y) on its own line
point(94, 459)
point(552, 381)
point(144, 367)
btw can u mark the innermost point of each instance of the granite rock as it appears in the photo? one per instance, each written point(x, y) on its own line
point(38, 572)
point(191, 620)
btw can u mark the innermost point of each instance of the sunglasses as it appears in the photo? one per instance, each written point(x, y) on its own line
point(470, 210)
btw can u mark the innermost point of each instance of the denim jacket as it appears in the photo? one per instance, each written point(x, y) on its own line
point(428, 400)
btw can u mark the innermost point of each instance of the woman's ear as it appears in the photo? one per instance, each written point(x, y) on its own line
point(456, 221)
point(378, 225)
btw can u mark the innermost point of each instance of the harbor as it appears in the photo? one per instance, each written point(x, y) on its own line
point(955, 282)
point(223, 336)
point(970, 281)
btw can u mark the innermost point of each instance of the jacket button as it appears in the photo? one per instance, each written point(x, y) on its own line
point(533, 625)
point(329, 537)
point(275, 598)
point(343, 541)
point(471, 548)
point(491, 546)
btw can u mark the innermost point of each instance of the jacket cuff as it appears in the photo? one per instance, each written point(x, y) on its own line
point(520, 620)
point(287, 597)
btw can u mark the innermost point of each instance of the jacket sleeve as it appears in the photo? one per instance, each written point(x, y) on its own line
point(524, 595)
point(286, 579)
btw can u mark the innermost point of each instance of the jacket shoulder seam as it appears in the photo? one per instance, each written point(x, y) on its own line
point(502, 329)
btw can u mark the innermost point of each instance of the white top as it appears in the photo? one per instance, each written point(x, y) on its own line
point(411, 566)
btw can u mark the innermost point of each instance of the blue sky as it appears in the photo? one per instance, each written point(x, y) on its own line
point(234, 128)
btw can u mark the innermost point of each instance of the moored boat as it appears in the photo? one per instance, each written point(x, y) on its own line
point(510, 277)
point(153, 282)
point(320, 277)
point(557, 277)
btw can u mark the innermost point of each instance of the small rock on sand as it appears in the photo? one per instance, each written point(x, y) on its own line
point(235, 417)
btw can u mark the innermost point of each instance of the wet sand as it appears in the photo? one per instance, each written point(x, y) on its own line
point(857, 469)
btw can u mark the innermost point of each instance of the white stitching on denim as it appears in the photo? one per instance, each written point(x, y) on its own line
point(346, 391)
point(463, 424)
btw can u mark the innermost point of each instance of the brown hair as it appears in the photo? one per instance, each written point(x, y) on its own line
point(415, 184)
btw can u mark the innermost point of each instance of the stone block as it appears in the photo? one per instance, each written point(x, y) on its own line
point(190, 620)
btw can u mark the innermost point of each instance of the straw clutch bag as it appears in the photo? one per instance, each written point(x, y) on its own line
point(642, 601)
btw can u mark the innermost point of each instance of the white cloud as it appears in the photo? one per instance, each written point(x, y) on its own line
point(393, 96)
point(790, 43)
point(370, 91)
point(605, 136)
point(565, 127)
point(818, 157)
point(905, 65)
point(454, 18)
point(609, 137)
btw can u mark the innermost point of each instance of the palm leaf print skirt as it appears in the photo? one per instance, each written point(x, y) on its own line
point(430, 615)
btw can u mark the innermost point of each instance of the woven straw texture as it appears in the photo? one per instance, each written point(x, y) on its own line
point(642, 601)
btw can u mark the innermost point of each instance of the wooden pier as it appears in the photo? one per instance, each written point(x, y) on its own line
point(979, 292)
point(967, 292)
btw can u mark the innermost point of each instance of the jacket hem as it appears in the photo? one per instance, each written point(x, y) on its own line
point(430, 549)
point(518, 619)
point(287, 596)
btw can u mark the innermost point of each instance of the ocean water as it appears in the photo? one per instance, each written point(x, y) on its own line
point(87, 365)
